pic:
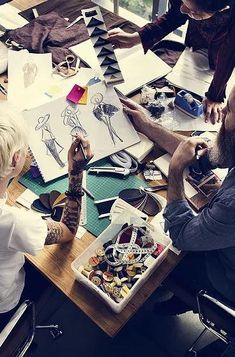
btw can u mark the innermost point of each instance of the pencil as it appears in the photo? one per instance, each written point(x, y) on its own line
point(88, 193)
point(3, 89)
point(83, 152)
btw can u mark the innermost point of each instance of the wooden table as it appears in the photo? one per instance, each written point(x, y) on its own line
point(54, 263)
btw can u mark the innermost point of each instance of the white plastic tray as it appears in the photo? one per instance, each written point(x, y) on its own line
point(109, 233)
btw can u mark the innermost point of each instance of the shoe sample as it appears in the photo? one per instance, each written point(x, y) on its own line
point(173, 306)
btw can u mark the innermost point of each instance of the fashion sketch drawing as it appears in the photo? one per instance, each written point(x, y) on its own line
point(53, 147)
point(70, 118)
point(104, 113)
point(30, 71)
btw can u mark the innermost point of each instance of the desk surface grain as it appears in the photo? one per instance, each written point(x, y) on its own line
point(54, 262)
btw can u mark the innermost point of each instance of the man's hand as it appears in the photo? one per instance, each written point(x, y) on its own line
point(76, 161)
point(121, 39)
point(186, 152)
point(137, 114)
point(213, 111)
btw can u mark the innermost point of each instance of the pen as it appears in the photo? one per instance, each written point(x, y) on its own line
point(3, 89)
point(88, 193)
point(83, 152)
point(81, 148)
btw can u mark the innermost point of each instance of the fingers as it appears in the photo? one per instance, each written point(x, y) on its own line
point(114, 32)
point(129, 103)
point(213, 111)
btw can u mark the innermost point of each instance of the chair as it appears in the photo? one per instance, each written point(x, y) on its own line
point(217, 317)
point(19, 332)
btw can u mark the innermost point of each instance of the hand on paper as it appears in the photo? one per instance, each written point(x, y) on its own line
point(139, 118)
point(185, 154)
point(76, 161)
point(121, 39)
point(213, 110)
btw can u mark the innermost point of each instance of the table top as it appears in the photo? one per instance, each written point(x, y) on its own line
point(54, 262)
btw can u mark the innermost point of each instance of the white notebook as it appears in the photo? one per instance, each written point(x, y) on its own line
point(137, 68)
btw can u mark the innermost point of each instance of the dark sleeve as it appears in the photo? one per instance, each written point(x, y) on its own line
point(213, 228)
point(224, 68)
point(153, 32)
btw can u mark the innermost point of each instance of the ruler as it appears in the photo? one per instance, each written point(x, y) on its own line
point(83, 214)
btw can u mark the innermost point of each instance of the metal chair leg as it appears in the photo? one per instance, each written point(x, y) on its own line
point(191, 352)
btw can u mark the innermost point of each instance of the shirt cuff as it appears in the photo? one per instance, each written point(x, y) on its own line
point(177, 213)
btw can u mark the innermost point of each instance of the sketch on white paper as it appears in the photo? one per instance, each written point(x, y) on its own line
point(52, 145)
point(70, 118)
point(30, 71)
point(104, 112)
point(103, 122)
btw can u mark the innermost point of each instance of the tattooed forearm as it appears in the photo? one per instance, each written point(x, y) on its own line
point(75, 183)
point(54, 232)
point(77, 168)
point(71, 214)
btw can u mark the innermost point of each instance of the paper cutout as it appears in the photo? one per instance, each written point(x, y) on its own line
point(104, 52)
point(101, 42)
point(75, 94)
point(94, 30)
point(107, 61)
point(94, 22)
point(84, 98)
point(93, 80)
point(111, 70)
point(97, 32)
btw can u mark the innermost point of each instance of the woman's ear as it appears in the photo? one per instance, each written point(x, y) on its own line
point(15, 159)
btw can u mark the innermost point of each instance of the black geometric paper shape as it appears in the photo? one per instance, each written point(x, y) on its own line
point(90, 13)
point(107, 61)
point(94, 22)
point(97, 31)
point(111, 70)
point(101, 42)
point(104, 52)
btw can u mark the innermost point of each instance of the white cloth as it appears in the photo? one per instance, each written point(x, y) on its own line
point(20, 232)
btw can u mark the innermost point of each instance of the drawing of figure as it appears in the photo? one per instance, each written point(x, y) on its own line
point(53, 147)
point(70, 115)
point(30, 70)
point(104, 112)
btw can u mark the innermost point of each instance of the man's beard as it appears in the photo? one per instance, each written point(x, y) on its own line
point(223, 152)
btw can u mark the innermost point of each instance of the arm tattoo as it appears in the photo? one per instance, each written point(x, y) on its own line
point(54, 232)
point(71, 214)
point(77, 167)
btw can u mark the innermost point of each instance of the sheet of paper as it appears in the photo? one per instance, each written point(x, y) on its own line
point(28, 74)
point(75, 94)
point(10, 18)
point(134, 64)
point(102, 120)
point(46, 87)
point(105, 54)
point(192, 72)
point(178, 120)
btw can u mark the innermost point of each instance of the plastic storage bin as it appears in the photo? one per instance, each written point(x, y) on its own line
point(109, 233)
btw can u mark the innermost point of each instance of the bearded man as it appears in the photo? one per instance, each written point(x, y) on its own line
point(210, 235)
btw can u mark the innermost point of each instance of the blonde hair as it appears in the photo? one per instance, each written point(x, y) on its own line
point(13, 137)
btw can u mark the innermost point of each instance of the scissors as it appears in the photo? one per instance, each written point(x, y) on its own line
point(75, 21)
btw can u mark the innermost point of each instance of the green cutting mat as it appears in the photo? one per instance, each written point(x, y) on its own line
point(101, 187)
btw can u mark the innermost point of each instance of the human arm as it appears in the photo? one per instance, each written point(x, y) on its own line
point(65, 230)
point(151, 33)
point(213, 227)
point(166, 139)
point(224, 67)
